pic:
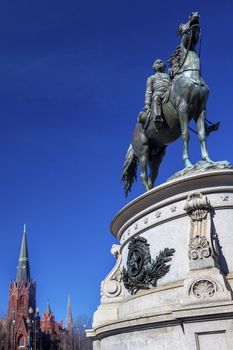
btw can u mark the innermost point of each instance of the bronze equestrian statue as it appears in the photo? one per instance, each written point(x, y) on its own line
point(171, 101)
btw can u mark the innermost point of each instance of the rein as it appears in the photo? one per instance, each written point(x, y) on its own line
point(188, 69)
point(189, 44)
point(187, 50)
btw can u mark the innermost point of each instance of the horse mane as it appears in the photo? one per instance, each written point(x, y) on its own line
point(174, 60)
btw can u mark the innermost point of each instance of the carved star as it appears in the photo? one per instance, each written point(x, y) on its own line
point(225, 198)
point(134, 261)
point(173, 208)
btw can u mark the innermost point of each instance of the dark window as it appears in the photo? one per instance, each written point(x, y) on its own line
point(21, 341)
point(21, 300)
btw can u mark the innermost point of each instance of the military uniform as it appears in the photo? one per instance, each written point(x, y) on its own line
point(156, 87)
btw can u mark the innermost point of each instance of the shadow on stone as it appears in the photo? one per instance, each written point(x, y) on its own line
point(221, 259)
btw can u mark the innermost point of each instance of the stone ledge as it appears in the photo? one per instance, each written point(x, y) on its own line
point(176, 317)
point(229, 276)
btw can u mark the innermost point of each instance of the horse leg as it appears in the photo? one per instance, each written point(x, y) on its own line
point(200, 122)
point(154, 164)
point(143, 160)
point(183, 116)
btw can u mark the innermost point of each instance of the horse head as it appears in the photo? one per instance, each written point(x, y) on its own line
point(189, 32)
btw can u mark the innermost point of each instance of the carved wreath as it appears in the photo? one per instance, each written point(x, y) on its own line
point(143, 272)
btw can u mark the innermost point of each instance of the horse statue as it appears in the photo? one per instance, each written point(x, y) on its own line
point(187, 97)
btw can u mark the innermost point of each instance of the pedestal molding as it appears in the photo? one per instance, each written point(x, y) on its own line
point(176, 317)
point(160, 205)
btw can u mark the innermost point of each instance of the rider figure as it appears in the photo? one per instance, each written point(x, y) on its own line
point(156, 87)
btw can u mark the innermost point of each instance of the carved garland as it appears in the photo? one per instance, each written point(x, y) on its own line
point(143, 272)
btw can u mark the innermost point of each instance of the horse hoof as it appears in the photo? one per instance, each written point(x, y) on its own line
point(150, 185)
point(188, 165)
point(208, 160)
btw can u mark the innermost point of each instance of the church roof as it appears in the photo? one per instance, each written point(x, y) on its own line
point(23, 269)
point(48, 309)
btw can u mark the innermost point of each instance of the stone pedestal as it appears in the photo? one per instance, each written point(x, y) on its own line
point(145, 304)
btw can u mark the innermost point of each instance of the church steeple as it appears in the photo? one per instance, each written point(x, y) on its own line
point(22, 299)
point(48, 311)
point(69, 318)
point(23, 269)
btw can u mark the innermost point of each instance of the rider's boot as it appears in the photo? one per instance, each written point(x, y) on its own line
point(158, 120)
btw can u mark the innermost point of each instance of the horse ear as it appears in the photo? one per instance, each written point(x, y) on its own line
point(180, 30)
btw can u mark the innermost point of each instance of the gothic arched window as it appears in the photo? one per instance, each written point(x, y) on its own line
point(21, 341)
point(21, 301)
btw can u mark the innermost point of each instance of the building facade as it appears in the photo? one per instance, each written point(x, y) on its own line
point(24, 327)
point(52, 333)
point(22, 301)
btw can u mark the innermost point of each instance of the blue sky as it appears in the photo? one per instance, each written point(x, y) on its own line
point(72, 81)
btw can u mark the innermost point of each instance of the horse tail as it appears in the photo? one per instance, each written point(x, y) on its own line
point(129, 172)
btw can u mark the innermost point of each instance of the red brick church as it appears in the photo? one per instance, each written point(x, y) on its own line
point(25, 328)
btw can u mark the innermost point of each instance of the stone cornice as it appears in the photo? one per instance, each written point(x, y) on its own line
point(162, 194)
point(176, 317)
